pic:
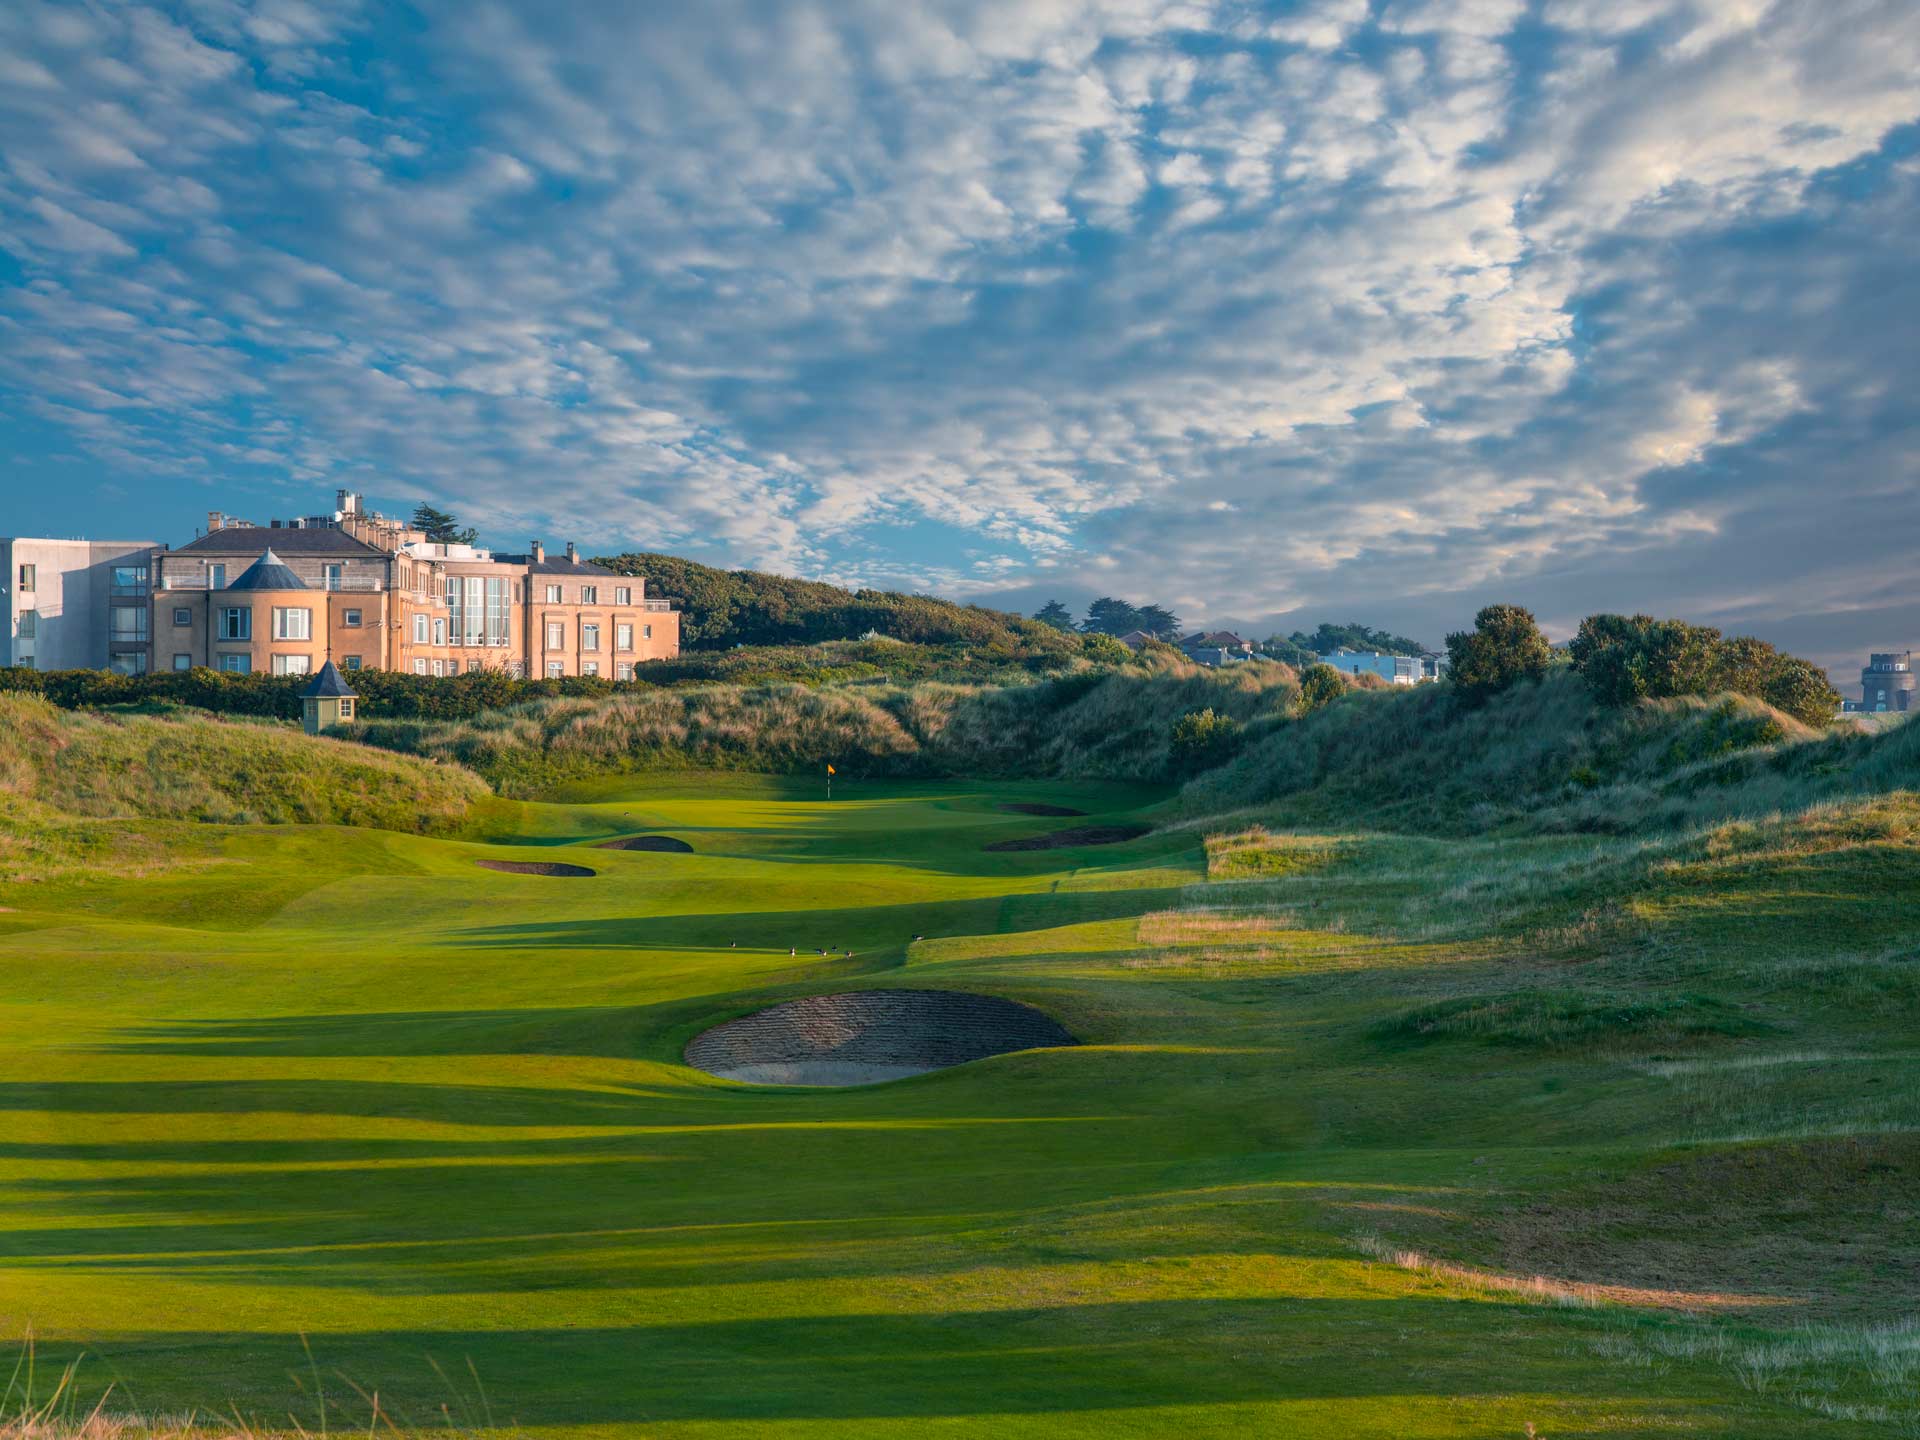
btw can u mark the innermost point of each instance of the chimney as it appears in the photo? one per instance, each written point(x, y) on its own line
point(539, 552)
point(215, 520)
point(346, 502)
point(573, 555)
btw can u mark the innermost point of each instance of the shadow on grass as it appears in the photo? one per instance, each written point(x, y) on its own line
point(1023, 1360)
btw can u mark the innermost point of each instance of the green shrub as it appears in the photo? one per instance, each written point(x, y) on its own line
point(1320, 685)
point(1628, 658)
point(1202, 739)
point(1504, 647)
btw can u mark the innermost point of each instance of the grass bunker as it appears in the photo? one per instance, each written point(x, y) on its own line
point(866, 1036)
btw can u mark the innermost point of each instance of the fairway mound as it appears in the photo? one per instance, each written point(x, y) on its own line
point(667, 844)
point(535, 867)
point(1078, 835)
point(1034, 807)
point(866, 1036)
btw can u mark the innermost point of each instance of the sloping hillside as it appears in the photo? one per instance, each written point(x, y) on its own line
point(724, 608)
point(196, 767)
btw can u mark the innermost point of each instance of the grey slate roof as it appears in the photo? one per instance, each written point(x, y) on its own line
point(328, 685)
point(562, 566)
point(252, 539)
point(267, 573)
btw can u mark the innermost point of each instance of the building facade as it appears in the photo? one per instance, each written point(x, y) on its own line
point(369, 593)
point(1888, 682)
point(1394, 669)
point(76, 604)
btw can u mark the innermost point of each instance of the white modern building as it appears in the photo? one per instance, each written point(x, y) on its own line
point(75, 604)
point(1394, 669)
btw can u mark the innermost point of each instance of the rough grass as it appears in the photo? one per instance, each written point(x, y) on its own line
point(1115, 724)
point(216, 770)
point(1563, 1018)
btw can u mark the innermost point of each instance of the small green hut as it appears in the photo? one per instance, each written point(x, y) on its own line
point(327, 701)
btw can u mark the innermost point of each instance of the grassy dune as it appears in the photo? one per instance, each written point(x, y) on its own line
point(1561, 1076)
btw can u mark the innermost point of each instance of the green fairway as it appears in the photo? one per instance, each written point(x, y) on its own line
point(346, 1084)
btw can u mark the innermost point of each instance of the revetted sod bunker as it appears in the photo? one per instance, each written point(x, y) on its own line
point(866, 1036)
point(537, 867)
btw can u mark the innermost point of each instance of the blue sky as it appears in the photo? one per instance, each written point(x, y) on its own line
point(1370, 309)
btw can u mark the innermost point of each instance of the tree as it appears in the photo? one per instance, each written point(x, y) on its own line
point(442, 528)
point(1320, 686)
point(1157, 621)
point(1504, 647)
point(1278, 647)
point(1108, 616)
point(1355, 637)
point(1055, 614)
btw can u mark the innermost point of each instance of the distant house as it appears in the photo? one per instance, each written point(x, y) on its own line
point(1134, 639)
point(1888, 683)
point(1394, 669)
point(1216, 647)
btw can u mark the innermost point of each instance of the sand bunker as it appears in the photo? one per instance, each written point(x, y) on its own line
point(667, 843)
point(866, 1036)
point(1079, 835)
point(1030, 807)
point(534, 867)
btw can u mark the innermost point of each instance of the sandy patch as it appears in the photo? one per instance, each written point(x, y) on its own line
point(536, 867)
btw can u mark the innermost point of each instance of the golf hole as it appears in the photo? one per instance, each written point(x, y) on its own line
point(863, 1037)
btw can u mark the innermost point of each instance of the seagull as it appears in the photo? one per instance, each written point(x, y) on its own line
point(792, 951)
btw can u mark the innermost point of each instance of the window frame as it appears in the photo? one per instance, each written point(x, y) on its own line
point(282, 615)
point(226, 628)
point(182, 616)
point(351, 619)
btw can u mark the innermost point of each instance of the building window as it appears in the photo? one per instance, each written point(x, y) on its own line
point(292, 625)
point(439, 631)
point(553, 594)
point(29, 624)
point(473, 667)
point(419, 629)
point(624, 670)
point(353, 662)
point(335, 575)
point(589, 637)
point(183, 662)
point(293, 664)
point(237, 664)
point(129, 577)
point(236, 624)
point(556, 635)
point(646, 632)
point(419, 667)
point(589, 594)
point(350, 619)
point(28, 575)
point(479, 610)
point(623, 594)
point(590, 667)
point(133, 664)
point(127, 622)
point(216, 577)
point(182, 615)
point(623, 637)
point(555, 669)
point(346, 707)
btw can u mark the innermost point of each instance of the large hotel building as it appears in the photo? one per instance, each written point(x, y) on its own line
point(367, 591)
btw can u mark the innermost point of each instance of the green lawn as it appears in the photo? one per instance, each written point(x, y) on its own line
point(348, 1085)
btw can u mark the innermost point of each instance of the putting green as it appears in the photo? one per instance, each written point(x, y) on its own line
point(349, 1085)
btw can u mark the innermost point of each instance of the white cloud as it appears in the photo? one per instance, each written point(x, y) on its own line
point(803, 284)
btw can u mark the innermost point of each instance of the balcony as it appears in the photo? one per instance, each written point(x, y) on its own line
point(657, 605)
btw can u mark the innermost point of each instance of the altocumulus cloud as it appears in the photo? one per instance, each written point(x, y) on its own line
point(1347, 303)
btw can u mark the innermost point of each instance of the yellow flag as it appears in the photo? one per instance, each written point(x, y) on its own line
point(832, 771)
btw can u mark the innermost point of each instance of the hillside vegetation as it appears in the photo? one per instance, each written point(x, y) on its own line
point(723, 608)
point(202, 768)
point(1113, 724)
